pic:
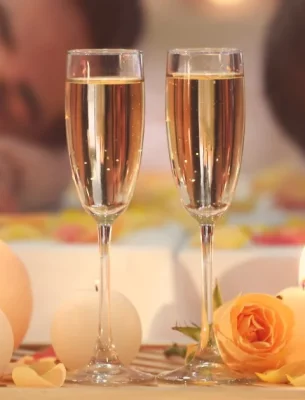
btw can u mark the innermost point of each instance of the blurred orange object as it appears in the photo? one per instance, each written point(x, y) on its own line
point(70, 226)
point(15, 231)
point(226, 237)
point(37, 220)
point(25, 226)
point(155, 189)
point(283, 236)
point(75, 226)
point(291, 195)
point(269, 180)
point(71, 233)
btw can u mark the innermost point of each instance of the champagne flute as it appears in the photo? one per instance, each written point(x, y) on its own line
point(205, 127)
point(105, 123)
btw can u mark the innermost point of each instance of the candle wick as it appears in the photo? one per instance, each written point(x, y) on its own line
point(303, 285)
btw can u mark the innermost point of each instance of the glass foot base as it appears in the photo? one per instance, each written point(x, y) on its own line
point(203, 373)
point(110, 375)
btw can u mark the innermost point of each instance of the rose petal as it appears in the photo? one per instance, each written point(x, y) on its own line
point(43, 366)
point(269, 316)
point(266, 302)
point(280, 375)
point(56, 376)
point(222, 319)
point(24, 376)
point(298, 381)
point(264, 329)
point(241, 361)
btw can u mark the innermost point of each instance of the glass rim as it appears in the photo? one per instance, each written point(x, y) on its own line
point(204, 51)
point(100, 52)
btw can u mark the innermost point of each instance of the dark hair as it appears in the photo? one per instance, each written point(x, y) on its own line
point(113, 23)
point(284, 65)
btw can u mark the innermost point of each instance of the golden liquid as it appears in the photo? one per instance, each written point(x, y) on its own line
point(105, 122)
point(205, 126)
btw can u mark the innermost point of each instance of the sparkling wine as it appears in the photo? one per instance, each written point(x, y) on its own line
point(105, 121)
point(205, 125)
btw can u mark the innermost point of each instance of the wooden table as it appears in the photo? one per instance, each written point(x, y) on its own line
point(157, 393)
point(151, 359)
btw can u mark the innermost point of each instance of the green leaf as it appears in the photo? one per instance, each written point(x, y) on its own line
point(175, 350)
point(217, 299)
point(192, 332)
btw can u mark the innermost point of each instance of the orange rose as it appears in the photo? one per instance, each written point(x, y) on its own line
point(253, 331)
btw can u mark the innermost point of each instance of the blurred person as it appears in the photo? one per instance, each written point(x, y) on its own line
point(34, 38)
point(284, 68)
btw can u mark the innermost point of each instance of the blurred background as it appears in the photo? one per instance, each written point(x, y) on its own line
point(37, 199)
point(213, 23)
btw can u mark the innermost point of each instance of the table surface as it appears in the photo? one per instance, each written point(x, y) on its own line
point(138, 393)
point(150, 359)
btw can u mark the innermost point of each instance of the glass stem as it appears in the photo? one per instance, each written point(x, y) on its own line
point(105, 352)
point(207, 350)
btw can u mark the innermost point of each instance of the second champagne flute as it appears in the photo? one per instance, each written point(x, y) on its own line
point(205, 128)
point(105, 123)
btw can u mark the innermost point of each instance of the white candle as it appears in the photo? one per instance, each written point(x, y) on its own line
point(294, 297)
point(75, 326)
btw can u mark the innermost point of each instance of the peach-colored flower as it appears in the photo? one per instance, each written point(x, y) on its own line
point(253, 331)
